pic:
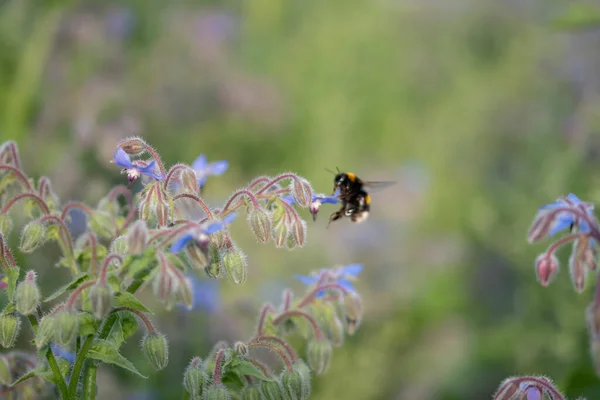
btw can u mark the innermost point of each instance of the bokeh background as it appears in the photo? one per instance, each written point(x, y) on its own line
point(481, 110)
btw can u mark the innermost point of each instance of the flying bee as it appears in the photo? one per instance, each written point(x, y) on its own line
point(356, 201)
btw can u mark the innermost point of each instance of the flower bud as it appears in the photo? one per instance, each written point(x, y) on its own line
point(101, 296)
point(298, 231)
point(195, 378)
point(119, 246)
point(216, 392)
point(314, 208)
point(46, 331)
point(260, 222)
point(241, 348)
point(271, 390)
point(302, 192)
point(319, 355)
point(137, 237)
point(578, 272)
point(133, 146)
point(250, 393)
point(546, 268)
point(102, 224)
point(235, 265)
point(10, 325)
point(303, 369)
point(156, 350)
point(189, 181)
point(5, 375)
point(34, 235)
point(215, 266)
point(66, 327)
point(162, 213)
point(329, 322)
point(27, 295)
point(198, 252)
point(6, 224)
point(508, 390)
point(353, 308)
point(293, 385)
point(280, 234)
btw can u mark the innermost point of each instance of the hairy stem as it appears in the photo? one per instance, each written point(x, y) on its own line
point(89, 380)
point(305, 315)
point(79, 361)
point(197, 199)
point(217, 371)
point(19, 174)
point(282, 355)
point(263, 315)
point(281, 342)
point(74, 204)
point(310, 296)
point(40, 202)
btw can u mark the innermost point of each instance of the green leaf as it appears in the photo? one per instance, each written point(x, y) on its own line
point(134, 264)
point(129, 324)
point(126, 299)
point(12, 276)
point(116, 337)
point(44, 371)
point(23, 378)
point(245, 367)
point(10, 308)
point(52, 232)
point(230, 378)
point(105, 351)
point(69, 286)
point(579, 16)
point(87, 324)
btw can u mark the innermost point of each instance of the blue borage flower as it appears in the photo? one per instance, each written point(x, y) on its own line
point(340, 275)
point(134, 169)
point(206, 295)
point(197, 235)
point(564, 220)
point(204, 169)
point(317, 200)
point(61, 352)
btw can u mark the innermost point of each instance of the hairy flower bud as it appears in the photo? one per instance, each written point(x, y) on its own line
point(235, 265)
point(66, 327)
point(217, 392)
point(298, 231)
point(6, 224)
point(119, 246)
point(293, 384)
point(189, 181)
point(5, 375)
point(329, 322)
point(102, 224)
point(241, 348)
point(34, 235)
point(134, 146)
point(162, 213)
point(156, 350)
point(215, 266)
point(260, 222)
point(10, 325)
point(27, 295)
point(319, 355)
point(250, 393)
point(546, 268)
point(46, 331)
point(137, 237)
point(303, 369)
point(280, 234)
point(195, 378)
point(101, 296)
point(271, 390)
point(353, 307)
point(302, 192)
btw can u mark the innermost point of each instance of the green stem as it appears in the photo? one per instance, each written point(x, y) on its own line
point(62, 386)
point(87, 345)
point(89, 381)
point(186, 395)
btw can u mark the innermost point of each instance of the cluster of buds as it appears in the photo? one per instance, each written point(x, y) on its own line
point(316, 316)
point(528, 388)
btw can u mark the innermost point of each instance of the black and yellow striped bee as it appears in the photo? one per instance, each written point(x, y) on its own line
point(356, 201)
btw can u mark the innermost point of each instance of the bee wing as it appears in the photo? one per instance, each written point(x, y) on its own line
point(376, 186)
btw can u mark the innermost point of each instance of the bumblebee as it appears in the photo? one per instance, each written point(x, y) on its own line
point(356, 201)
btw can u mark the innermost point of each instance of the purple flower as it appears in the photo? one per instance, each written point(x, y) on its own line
point(316, 202)
point(201, 236)
point(567, 220)
point(340, 275)
point(134, 169)
point(61, 352)
point(204, 169)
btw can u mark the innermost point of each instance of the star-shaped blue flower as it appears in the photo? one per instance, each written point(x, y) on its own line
point(210, 228)
point(320, 198)
point(341, 275)
point(204, 169)
point(134, 171)
point(565, 220)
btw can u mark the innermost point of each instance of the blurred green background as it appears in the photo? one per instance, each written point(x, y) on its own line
point(481, 110)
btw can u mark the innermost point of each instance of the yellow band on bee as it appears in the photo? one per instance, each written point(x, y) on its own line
point(351, 176)
point(367, 199)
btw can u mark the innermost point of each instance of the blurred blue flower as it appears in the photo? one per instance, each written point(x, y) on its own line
point(120, 22)
point(61, 352)
point(320, 198)
point(121, 158)
point(206, 295)
point(210, 228)
point(564, 220)
point(204, 169)
point(340, 275)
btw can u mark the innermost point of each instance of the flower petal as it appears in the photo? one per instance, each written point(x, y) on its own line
point(307, 280)
point(583, 226)
point(61, 352)
point(352, 269)
point(562, 222)
point(180, 243)
point(218, 167)
point(229, 218)
point(199, 163)
point(289, 199)
point(213, 227)
point(122, 159)
point(574, 199)
point(346, 284)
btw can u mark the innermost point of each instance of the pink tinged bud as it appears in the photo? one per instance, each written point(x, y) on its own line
point(353, 307)
point(546, 268)
point(314, 208)
point(162, 214)
point(302, 192)
point(298, 231)
point(241, 348)
point(189, 181)
point(137, 237)
point(508, 390)
point(133, 146)
point(198, 253)
point(578, 272)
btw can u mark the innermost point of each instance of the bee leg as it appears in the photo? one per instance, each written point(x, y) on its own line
point(334, 217)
